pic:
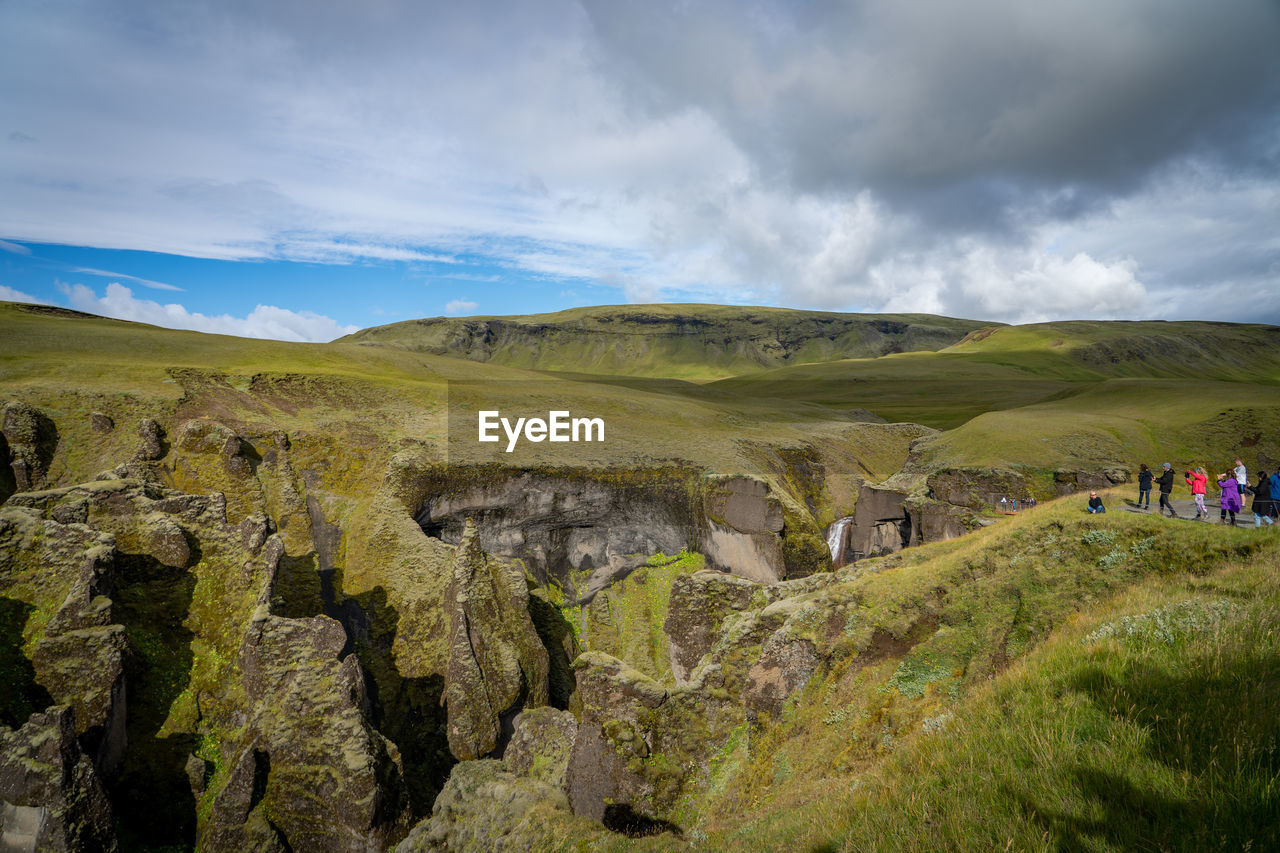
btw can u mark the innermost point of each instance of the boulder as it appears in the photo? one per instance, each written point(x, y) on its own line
point(485, 808)
point(51, 798)
point(786, 664)
point(32, 438)
point(162, 539)
point(100, 422)
point(150, 441)
point(607, 762)
point(238, 818)
point(85, 669)
point(541, 745)
point(497, 664)
point(309, 711)
point(699, 605)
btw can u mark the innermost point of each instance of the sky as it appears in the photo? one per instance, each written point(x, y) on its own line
point(298, 169)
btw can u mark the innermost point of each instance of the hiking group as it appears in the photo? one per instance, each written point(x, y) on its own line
point(1233, 485)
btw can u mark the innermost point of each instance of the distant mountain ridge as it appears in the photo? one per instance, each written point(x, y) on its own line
point(685, 341)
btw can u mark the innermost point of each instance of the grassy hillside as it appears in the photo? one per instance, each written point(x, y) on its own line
point(682, 341)
point(1101, 684)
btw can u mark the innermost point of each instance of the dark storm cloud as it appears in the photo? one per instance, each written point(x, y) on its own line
point(932, 102)
point(990, 158)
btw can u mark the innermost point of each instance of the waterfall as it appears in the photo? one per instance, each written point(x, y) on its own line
point(838, 539)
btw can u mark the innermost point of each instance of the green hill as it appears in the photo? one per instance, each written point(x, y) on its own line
point(681, 341)
point(305, 577)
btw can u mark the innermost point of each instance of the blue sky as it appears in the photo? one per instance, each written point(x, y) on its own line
point(300, 167)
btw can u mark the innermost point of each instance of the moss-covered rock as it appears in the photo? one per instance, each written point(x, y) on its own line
point(485, 808)
point(497, 663)
point(541, 745)
point(699, 604)
point(51, 798)
point(32, 438)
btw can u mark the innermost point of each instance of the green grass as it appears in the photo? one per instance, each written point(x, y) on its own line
point(1066, 699)
point(695, 342)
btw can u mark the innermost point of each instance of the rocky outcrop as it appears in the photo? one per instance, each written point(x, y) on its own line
point(977, 488)
point(151, 446)
point(497, 664)
point(213, 438)
point(486, 808)
point(881, 524)
point(1068, 482)
point(51, 797)
point(699, 605)
point(309, 711)
point(100, 422)
point(606, 765)
point(541, 745)
point(582, 532)
point(32, 439)
point(587, 530)
point(743, 526)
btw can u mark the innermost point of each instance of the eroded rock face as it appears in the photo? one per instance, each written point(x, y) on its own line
point(51, 798)
point(32, 439)
point(743, 527)
point(485, 808)
point(699, 605)
point(1069, 482)
point(977, 488)
point(497, 663)
point(309, 712)
point(582, 532)
point(210, 437)
point(612, 742)
point(541, 745)
point(881, 523)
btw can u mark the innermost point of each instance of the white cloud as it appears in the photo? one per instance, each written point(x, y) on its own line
point(15, 248)
point(265, 321)
point(145, 282)
point(460, 306)
point(8, 294)
point(918, 156)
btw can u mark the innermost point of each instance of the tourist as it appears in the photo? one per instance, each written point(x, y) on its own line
point(1264, 506)
point(1095, 504)
point(1242, 478)
point(1166, 488)
point(1198, 480)
point(1144, 486)
point(1230, 497)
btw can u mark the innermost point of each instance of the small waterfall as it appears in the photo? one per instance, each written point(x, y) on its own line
point(838, 540)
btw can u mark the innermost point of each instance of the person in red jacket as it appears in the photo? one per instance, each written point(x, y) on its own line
point(1198, 480)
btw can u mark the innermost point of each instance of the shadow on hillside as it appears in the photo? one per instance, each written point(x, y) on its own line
point(1221, 729)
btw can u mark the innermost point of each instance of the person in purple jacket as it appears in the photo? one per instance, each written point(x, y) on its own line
point(1230, 497)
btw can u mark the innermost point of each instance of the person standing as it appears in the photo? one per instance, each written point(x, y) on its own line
point(1198, 480)
point(1263, 502)
point(1144, 486)
point(1230, 498)
point(1242, 478)
point(1165, 480)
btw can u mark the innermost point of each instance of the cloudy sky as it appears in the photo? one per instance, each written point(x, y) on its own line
point(298, 168)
